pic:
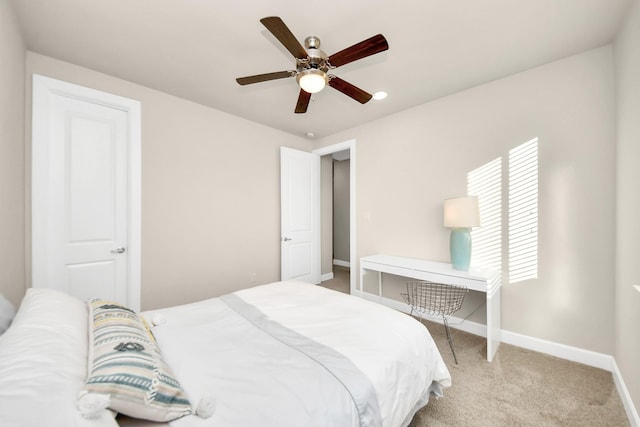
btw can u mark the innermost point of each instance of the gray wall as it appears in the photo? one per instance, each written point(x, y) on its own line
point(12, 211)
point(326, 202)
point(627, 299)
point(341, 218)
point(410, 162)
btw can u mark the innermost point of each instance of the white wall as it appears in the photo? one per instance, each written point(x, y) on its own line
point(410, 162)
point(12, 54)
point(210, 191)
point(627, 299)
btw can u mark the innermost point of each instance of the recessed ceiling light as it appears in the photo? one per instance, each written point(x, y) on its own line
point(310, 134)
point(380, 95)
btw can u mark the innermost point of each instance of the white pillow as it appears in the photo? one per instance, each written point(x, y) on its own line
point(43, 363)
point(7, 312)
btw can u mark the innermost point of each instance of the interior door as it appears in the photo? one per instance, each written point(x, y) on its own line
point(300, 215)
point(82, 194)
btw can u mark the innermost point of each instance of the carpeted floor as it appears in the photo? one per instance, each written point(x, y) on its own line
point(518, 388)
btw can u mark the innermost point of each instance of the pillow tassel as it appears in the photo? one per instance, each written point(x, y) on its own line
point(206, 407)
point(158, 319)
point(92, 405)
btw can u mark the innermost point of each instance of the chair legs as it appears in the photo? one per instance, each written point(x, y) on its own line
point(435, 299)
point(446, 328)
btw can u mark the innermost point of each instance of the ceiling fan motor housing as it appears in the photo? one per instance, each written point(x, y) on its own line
point(316, 58)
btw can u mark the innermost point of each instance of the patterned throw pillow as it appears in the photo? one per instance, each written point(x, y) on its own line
point(125, 363)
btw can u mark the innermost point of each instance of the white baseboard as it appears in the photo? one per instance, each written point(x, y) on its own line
point(629, 407)
point(327, 276)
point(342, 263)
point(574, 354)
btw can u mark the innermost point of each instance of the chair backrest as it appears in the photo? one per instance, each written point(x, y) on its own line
point(434, 298)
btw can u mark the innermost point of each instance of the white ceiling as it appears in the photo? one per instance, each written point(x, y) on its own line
point(196, 48)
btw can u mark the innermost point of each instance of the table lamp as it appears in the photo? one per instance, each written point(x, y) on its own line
point(460, 214)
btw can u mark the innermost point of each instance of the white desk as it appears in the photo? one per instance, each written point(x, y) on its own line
point(477, 279)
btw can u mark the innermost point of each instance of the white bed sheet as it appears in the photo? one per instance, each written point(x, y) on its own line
point(256, 379)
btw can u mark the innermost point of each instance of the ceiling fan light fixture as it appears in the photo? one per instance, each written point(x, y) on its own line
point(312, 80)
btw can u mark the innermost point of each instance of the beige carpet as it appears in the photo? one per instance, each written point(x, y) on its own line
point(518, 388)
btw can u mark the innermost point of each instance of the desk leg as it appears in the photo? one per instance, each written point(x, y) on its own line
point(494, 324)
point(380, 285)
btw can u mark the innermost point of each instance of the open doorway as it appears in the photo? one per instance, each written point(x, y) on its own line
point(341, 225)
point(338, 216)
point(335, 218)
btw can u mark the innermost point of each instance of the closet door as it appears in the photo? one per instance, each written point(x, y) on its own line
point(85, 195)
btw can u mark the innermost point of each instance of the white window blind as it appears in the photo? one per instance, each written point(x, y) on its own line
point(486, 183)
point(523, 212)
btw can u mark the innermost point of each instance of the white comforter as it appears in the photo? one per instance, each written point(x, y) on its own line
point(293, 354)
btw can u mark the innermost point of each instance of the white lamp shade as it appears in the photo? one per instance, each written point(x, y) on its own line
point(462, 212)
point(312, 80)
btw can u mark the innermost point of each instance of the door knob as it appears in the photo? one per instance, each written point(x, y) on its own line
point(286, 239)
point(118, 251)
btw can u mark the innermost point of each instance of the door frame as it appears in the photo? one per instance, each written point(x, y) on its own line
point(351, 146)
point(43, 88)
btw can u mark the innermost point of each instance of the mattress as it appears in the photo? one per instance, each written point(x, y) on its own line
point(295, 354)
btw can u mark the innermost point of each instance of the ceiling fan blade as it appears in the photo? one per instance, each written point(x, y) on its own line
point(303, 101)
point(278, 28)
point(350, 90)
point(264, 77)
point(371, 46)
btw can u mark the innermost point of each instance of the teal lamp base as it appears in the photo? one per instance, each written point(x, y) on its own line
point(460, 248)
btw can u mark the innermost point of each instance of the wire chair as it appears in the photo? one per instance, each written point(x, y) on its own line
point(435, 299)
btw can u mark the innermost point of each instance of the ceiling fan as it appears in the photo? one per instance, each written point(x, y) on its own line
point(313, 65)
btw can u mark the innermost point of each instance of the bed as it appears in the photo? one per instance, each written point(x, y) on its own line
point(282, 354)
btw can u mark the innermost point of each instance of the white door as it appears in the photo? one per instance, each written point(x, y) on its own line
point(86, 197)
point(300, 215)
